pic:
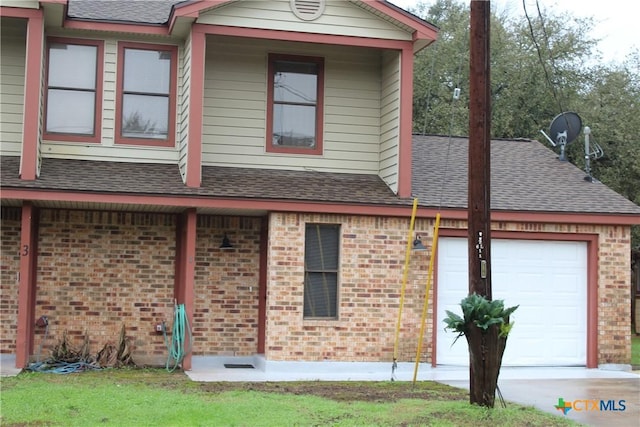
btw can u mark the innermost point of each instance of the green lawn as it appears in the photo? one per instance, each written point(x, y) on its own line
point(635, 350)
point(158, 398)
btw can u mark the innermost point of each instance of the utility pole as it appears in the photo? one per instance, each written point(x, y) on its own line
point(479, 210)
point(485, 347)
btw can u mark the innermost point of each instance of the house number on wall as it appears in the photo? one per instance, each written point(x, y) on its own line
point(480, 245)
point(25, 250)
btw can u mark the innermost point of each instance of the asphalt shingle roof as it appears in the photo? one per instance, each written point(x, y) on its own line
point(138, 11)
point(525, 176)
point(220, 182)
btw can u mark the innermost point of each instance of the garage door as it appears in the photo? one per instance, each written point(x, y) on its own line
point(548, 279)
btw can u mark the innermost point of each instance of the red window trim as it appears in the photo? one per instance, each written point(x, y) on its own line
point(97, 125)
point(171, 132)
point(319, 108)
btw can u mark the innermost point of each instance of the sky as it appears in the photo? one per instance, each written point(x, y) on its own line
point(616, 21)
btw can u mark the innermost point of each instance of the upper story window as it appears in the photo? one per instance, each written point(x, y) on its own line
point(146, 98)
point(295, 111)
point(73, 90)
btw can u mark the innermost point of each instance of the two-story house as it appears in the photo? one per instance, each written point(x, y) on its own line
point(254, 161)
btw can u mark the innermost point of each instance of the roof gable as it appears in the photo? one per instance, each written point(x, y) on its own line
point(338, 18)
point(371, 18)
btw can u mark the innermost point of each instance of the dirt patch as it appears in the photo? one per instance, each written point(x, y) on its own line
point(347, 391)
point(341, 391)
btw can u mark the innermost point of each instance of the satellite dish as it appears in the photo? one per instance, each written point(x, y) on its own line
point(564, 129)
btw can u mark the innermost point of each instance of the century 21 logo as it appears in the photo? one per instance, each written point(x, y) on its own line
point(590, 405)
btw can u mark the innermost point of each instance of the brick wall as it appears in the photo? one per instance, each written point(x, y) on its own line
point(635, 292)
point(372, 257)
point(100, 270)
point(371, 265)
point(97, 270)
point(614, 292)
point(9, 268)
point(226, 287)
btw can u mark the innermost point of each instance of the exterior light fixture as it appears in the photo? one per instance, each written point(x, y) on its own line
point(417, 244)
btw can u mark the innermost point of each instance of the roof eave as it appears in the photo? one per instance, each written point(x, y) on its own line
point(424, 32)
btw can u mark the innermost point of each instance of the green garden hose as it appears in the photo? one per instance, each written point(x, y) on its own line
point(181, 330)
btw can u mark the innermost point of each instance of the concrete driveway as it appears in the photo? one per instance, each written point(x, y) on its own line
point(596, 397)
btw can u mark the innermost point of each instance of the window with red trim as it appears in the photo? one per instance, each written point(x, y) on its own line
point(146, 97)
point(321, 268)
point(73, 95)
point(295, 104)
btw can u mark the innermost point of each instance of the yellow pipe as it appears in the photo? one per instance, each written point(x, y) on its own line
point(404, 278)
point(434, 247)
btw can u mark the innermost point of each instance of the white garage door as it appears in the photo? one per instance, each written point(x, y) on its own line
point(548, 279)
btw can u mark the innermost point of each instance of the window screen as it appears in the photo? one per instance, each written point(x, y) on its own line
point(322, 246)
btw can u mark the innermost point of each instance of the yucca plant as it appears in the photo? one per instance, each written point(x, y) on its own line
point(485, 325)
point(481, 312)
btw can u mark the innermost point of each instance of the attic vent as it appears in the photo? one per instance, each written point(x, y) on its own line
point(307, 10)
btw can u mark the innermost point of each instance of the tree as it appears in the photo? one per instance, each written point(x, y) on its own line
point(540, 67)
point(612, 111)
point(440, 69)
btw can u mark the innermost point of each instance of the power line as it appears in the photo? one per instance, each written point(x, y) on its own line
point(550, 82)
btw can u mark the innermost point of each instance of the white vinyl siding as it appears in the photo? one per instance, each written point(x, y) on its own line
point(234, 123)
point(109, 92)
point(107, 150)
point(182, 126)
point(339, 18)
point(31, 4)
point(389, 119)
point(12, 69)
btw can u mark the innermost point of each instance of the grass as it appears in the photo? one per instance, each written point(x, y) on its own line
point(635, 350)
point(157, 398)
